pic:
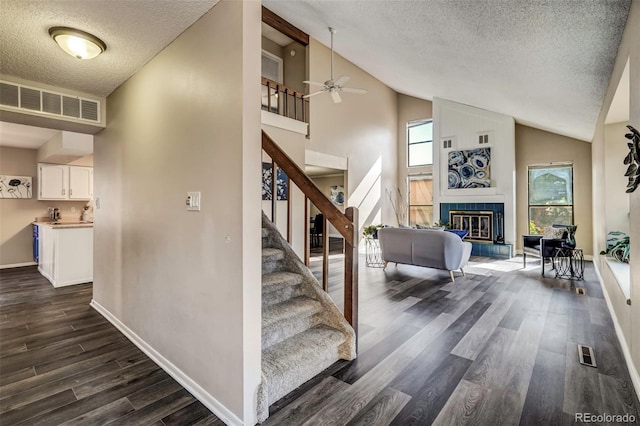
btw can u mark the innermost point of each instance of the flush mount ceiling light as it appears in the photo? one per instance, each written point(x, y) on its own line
point(77, 43)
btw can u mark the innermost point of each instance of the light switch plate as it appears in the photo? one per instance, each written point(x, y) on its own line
point(193, 201)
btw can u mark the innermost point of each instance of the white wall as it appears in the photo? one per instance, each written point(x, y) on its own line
point(188, 283)
point(362, 128)
point(462, 124)
point(617, 200)
point(627, 317)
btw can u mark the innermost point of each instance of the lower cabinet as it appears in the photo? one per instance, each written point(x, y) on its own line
point(65, 255)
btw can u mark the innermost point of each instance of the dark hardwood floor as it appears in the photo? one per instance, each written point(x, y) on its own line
point(62, 363)
point(496, 347)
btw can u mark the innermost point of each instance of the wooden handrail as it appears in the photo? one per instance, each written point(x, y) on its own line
point(331, 212)
point(346, 223)
point(281, 88)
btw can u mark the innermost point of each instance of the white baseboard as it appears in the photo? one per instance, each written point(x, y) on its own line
point(17, 265)
point(633, 372)
point(222, 412)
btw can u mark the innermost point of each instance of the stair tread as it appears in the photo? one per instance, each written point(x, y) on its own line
point(278, 280)
point(302, 348)
point(298, 306)
point(274, 253)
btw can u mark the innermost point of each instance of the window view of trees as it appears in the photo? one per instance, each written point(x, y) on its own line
point(420, 201)
point(550, 196)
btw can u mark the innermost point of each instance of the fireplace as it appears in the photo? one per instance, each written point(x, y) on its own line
point(485, 223)
point(479, 224)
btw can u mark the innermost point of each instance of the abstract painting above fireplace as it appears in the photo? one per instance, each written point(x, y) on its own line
point(470, 168)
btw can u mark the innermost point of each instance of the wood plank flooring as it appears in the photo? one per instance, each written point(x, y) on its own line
point(62, 363)
point(496, 347)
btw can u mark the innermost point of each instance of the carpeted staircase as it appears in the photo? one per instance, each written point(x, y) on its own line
point(303, 332)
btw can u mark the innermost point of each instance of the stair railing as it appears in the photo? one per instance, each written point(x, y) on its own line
point(282, 100)
point(346, 223)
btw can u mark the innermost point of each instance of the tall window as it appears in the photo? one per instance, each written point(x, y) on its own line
point(550, 196)
point(420, 143)
point(420, 201)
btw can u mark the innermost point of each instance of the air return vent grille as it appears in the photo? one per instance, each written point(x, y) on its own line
point(51, 103)
point(32, 99)
point(9, 95)
point(71, 107)
point(89, 110)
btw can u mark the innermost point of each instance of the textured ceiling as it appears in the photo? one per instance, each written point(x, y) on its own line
point(134, 31)
point(546, 63)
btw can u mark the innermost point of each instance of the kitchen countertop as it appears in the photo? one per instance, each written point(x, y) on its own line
point(61, 224)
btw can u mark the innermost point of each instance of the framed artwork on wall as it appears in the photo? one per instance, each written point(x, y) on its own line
point(16, 186)
point(337, 195)
point(470, 168)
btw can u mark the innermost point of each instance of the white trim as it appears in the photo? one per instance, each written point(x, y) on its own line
point(635, 377)
point(17, 265)
point(321, 159)
point(282, 122)
point(73, 282)
point(622, 274)
point(222, 412)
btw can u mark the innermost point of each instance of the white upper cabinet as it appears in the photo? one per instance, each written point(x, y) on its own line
point(80, 183)
point(60, 182)
point(53, 181)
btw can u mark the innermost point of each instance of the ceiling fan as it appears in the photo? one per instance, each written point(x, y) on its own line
point(334, 87)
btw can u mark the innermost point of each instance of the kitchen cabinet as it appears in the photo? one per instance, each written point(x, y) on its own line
point(65, 253)
point(61, 182)
point(53, 182)
point(80, 183)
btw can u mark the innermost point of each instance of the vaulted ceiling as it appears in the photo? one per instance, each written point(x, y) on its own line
point(546, 63)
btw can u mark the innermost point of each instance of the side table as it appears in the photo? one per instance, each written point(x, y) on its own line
point(569, 263)
point(373, 255)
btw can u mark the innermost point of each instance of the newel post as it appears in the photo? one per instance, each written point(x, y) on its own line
point(351, 272)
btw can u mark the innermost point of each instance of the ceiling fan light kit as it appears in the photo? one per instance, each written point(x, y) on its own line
point(331, 86)
point(77, 43)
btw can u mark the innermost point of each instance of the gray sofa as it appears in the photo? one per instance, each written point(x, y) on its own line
point(424, 247)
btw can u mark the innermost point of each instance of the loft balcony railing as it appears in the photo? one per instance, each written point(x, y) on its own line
point(279, 99)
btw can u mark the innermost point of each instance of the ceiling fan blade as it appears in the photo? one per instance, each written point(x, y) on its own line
point(342, 80)
point(354, 90)
point(313, 83)
point(336, 97)
point(313, 94)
